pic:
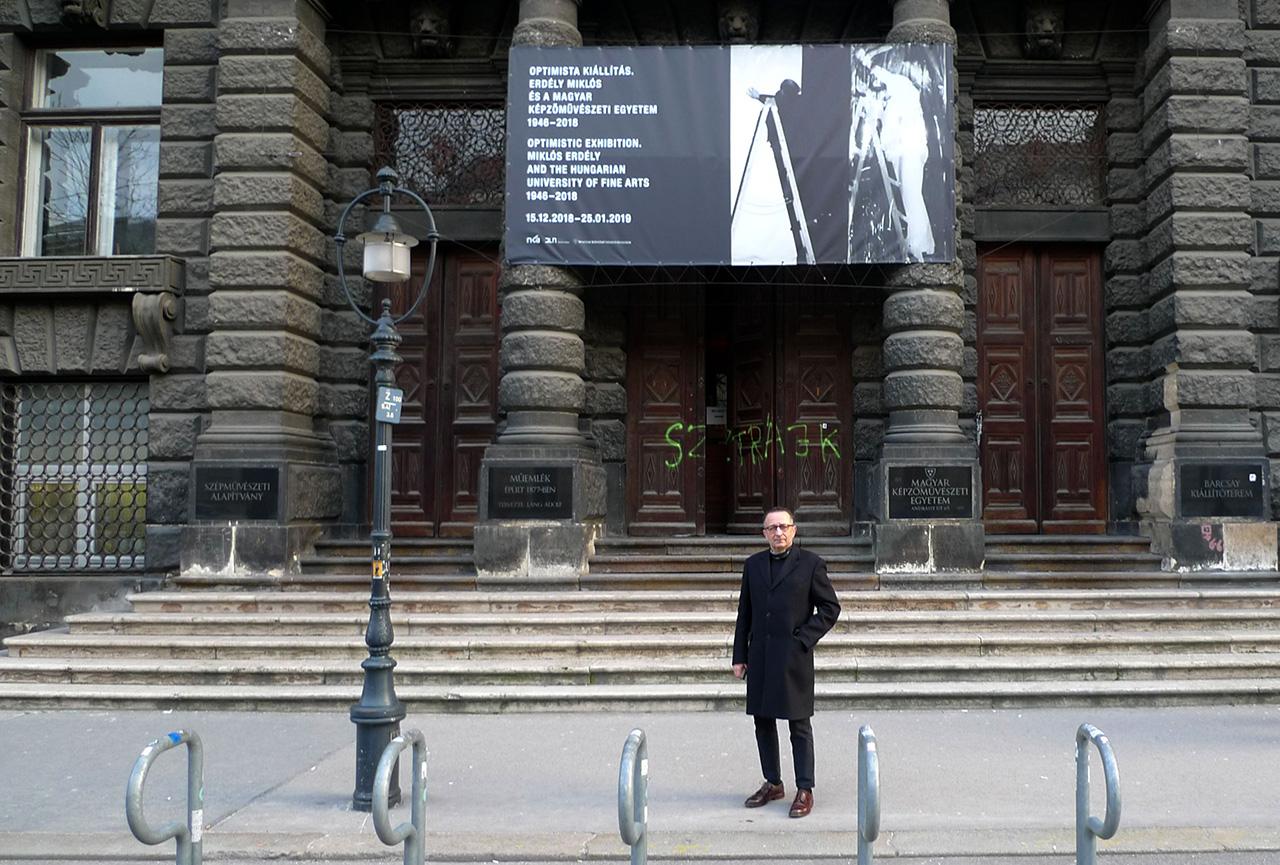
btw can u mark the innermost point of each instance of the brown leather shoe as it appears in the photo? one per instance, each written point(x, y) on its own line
point(767, 793)
point(803, 803)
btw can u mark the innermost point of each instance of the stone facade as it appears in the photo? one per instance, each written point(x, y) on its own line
point(267, 131)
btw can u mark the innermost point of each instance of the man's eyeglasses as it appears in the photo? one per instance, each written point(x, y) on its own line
point(780, 527)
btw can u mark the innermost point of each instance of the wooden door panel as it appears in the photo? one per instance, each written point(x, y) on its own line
point(1040, 389)
point(751, 408)
point(1006, 391)
point(816, 410)
point(665, 400)
point(469, 388)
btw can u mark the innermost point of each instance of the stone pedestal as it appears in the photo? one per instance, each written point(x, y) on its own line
point(541, 509)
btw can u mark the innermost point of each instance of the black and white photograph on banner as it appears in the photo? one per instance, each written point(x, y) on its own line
point(741, 155)
point(788, 145)
point(901, 155)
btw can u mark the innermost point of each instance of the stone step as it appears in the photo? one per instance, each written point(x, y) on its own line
point(654, 599)
point(644, 698)
point(692, 670)
point(1083, 544)
point(631, 563)
point(664, 622)
point(1070, 562)
point(861, 643)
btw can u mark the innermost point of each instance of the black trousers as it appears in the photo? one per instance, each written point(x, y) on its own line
point(801, 750)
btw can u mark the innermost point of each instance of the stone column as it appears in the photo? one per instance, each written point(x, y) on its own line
point(265, 477)
point(542, 392)
point(923, 391)
point(1206, 500)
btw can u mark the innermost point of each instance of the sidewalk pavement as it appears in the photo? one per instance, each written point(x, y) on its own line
point(544, 786)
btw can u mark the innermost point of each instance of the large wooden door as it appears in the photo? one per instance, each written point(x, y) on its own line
point(1040, 386)
point(740, 399)
point(450, 381)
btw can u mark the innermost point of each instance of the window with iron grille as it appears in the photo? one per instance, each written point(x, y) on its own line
point(451, 153)
point(1039, 154)
point(73, 476)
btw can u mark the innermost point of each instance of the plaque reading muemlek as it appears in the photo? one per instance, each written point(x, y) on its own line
point(531, 493)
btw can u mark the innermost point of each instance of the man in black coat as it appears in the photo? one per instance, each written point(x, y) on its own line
point(785, 606)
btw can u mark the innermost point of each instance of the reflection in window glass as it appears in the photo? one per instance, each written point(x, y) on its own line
point(65, 168)
point(97, 78)
point(130, 178)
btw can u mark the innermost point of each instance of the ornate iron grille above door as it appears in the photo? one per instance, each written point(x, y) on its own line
point(450, 153)
point(73, 476)
point(1042, 154)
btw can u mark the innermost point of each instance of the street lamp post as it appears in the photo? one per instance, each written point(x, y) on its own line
point(386, 259)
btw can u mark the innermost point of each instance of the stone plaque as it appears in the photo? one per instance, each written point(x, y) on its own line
point(1213, 489)
point(930, 492)
point(237, 493)
point(530, 493)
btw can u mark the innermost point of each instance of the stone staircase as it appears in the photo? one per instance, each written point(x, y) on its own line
point(1053, 621)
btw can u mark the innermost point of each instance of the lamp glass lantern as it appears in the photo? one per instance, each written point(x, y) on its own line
point(386, 250)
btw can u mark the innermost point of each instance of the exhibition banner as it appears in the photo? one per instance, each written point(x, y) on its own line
point(737, 155)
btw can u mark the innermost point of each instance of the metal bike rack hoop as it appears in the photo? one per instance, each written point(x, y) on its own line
point(191, 834)
point(413, 833)
point(868, 794)
point(633, 796)
point(1089, 829)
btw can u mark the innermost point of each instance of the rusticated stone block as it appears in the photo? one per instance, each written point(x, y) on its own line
point(240, 230)
point(543, 309)
point(515, 277)
point(868, 435)
point(352, 439)
point(1124, 439)
point(1126, 291)
point(1266, 157)
point(1123, 256)
point(923, 349)
point(1125, 184)
point(343, 363)
point(173, 436)
point(252, 73)
point(178, 198)
point(866, 362)
point(1269, 353)
point(1203, 76)
point(351, 111)
point(267, 112)
point(611, 438)
point(1200, 231)
point(276, 310)
point(541, 349)
point(270, 270)
point(188, 159)
point(1268, 387)
point(1127, 400)
point(344, 400)
point(606, 364)
point(241, 190)
point(182, 237)
point(1127, 364)
point(1196, 269)
point(1127, 220)
point(178, 393)
point(342, 327)
point(277, 151)
point(168, 13)
point(553, 391)
point(867, 400)
point(923, 389)
point(1125, 327)
point(1124, 115)
point(187, 122)
point(264, 35)
point(1125, 148)
point(605, 400)
point(1210, 388)
point(262, 350)
point(351, 148)
point(1205, 348)
point(944, 275)
point(167, 486)
point(314, 491)
point(190, 46)
point(1225, 153)
point(1209, 309)
point(278, 391)
point(1268, 237)
point(933, 309)
point(1196, 192)
point(112, 340)
point(189, 84)
point(969, 367)
point(1266, 314)
point(1264, 274)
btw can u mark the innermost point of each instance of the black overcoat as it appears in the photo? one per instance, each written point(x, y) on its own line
point(779, 622)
